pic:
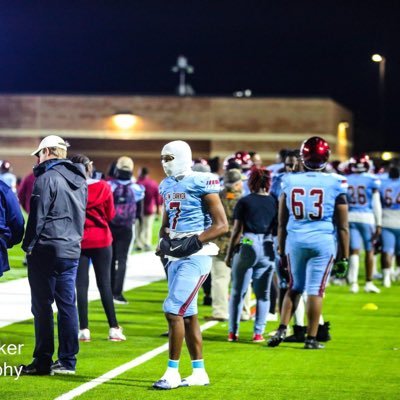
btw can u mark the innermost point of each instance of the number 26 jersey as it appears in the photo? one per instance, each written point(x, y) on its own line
point(183, 201)
point(310, 200)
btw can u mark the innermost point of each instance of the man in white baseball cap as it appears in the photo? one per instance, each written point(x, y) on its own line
point(51, 141)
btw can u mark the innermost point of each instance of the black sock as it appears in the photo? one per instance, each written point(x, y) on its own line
point(311, 337)
point(282, 327)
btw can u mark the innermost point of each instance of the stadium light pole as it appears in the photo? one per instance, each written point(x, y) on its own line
point(381, 60)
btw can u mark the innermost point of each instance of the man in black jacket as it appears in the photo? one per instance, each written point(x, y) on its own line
point(52, 243)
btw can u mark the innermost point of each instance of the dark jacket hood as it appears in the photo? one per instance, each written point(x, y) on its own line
point(73, 173)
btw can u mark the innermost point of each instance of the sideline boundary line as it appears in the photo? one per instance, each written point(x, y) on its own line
point(122, 368)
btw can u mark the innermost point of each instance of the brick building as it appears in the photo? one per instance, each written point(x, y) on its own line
point(213, 126)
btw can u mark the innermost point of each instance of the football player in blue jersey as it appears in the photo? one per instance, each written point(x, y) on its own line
point(311, 204)
point(193, 216)
point(365, 218)
point(390, 195)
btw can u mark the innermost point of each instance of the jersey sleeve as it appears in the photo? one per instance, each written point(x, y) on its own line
point(375, 183)
point(341, 185)
point(285, 182)
point(207, 183)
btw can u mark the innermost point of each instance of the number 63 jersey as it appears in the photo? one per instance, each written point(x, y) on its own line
point(183, 201)
point(310, 200)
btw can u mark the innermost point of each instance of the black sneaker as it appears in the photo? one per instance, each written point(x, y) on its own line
point(119, 299)
point(323, 334)
point(58, 368)
point(299, 335)
point(32, 369)
point(277, 338)
point(313, 344)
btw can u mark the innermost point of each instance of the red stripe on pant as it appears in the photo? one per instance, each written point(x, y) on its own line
point(325, 277)
point(186, 304)
point(290, 283)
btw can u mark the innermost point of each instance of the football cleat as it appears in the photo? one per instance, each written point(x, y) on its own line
point(196, 379)
point(371, 288)
point(299, 335)
point(313, 344)
point(354, 288)
point(277, 338)
point(167, 384)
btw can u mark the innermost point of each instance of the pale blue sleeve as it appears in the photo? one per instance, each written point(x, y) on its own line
point(206, 183)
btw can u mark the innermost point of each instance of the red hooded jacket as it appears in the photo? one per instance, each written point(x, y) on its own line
point(99, 212)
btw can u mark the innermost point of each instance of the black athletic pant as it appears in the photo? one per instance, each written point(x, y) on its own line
point(122, 237)
point(101, 259)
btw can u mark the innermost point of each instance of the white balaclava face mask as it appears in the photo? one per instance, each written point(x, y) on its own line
point(182, 162)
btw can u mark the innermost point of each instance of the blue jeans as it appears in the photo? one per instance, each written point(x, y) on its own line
point(255, 262)
point(52, 278)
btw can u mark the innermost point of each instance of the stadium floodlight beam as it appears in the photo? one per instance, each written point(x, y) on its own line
point(182, 67)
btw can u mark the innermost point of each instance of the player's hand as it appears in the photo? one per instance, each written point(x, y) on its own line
point(180, 248)
point(377, 234)
point(284, 268)
point(341, 267)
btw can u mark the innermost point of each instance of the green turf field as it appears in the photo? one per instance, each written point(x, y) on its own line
point(361, 362)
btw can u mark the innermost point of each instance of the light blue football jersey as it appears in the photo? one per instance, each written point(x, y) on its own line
point(359, 194)
point(276, 186)
point(310, 200)
point(183, 201)
point(390, 194)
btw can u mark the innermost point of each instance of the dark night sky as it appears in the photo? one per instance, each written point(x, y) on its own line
point(275, 48)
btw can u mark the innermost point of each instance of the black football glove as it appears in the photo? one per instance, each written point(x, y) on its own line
point(340, 268)
point(180, 248)
point(284, 269)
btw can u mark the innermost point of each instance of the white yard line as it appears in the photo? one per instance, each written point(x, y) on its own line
point(122, 368)
point(15, 295)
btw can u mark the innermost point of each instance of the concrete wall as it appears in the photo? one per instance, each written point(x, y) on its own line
point(212, 126)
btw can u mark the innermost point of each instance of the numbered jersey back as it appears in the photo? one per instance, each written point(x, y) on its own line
point(361, 187)
point(183, 201)
point(310, 200)
point(390, 194)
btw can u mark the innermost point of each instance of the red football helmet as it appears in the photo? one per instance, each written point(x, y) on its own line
point(240, 158)
point(314, 153)
point(359, 163)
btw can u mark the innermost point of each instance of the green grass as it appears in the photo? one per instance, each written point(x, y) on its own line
point(361, 362)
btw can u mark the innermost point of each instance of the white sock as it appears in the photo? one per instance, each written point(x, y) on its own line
point(353, 268)
point(299, 313)
point(321, 320)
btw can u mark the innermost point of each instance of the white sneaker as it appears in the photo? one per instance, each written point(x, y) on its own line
point(354, 288)
point(116, 335)
point(371, 288)
point(198, 378)
point(84, 335)
point(387, 281)
point(170, 380)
